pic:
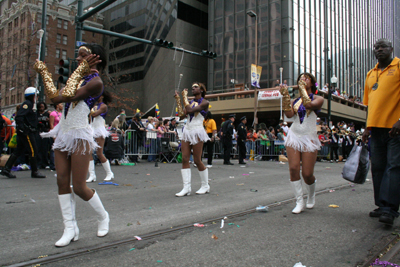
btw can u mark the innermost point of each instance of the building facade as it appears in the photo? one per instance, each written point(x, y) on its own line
point(299, 35)
point(19, 22)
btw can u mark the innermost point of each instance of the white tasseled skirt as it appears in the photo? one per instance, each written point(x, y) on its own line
point(303, 143)
point(99, 129)
point(194, 136)
point(72, 140)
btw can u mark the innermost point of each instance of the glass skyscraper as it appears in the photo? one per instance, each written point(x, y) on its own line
point(299, 35)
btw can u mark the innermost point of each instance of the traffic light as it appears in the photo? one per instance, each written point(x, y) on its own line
point(209, 54)
point(63, 71)
point(163, 43)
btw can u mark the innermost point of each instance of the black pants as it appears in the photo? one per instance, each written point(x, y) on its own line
point(25, 142)
point(210, 150)
point(242, 151)
point(227, 149)
point(43, 152)
point(334, 149)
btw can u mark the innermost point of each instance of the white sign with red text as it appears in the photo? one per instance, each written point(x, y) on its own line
point(269, 95)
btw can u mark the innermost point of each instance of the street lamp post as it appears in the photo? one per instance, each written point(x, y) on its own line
point(252, 14)
point(333, 82)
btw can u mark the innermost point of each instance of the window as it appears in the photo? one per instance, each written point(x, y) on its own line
point(23, 17)
point(65, 39)
point(65, 25)
point(22, 34)
point(57, 53)
point(10, 26)
point(59, 22)
point(58, 38)
point(64, 54)
point(45, 53)
point(16, 20)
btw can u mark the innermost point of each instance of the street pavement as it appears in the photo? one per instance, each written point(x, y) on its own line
point(144, 202)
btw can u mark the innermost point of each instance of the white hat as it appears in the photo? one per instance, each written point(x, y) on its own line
point(285, 123)
point(30, 91)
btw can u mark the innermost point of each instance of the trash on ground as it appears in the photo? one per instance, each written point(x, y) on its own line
point(377, 262)
point(332, 190)
point(367, 180)
point(159, 261)
point(225, 218)
point(238, 225)
point(253, 190)
point(242, 166)
point(299, 264)
point(132, 249)
point(108, 183)
point(251, 172)
point(43, 256)
point(353, 190)
point(198, 225)
point(222, 223)
point(245, 174)
point(214, 237)
point(231, 224)
point(239, 184)
point(148, 174)
point(334, 206)
point(137, 237)
point(33, 201)
point(138, 223)
point(231, 177)
point(354, 230)
point(262, 208)
point(128, 164)
point(129, 224)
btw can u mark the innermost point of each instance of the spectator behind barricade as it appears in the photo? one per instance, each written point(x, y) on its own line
point(139, 133)
point(114, 146)
point(43, 143)
point(285, 83)
point(6, 133)
point(325, 88)
point(276, 83)
point(166, 127)
point(271, 133)
point(250, 143)
point(318, 121)
point(172, 126)
point(119, 123)
point(54, 119)
point(323, 138)
point(264, 144)
point(285, 128)
point(280, 136)
point(121, 112)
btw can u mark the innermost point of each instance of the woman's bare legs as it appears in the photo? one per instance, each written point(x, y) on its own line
point(79, 168)
point(197, 151)
point(63, 167)
point(308, 163)
point(294, 157)
point(185, 148)
point(99, 152)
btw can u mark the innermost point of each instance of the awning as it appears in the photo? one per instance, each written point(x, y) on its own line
point(150, 112)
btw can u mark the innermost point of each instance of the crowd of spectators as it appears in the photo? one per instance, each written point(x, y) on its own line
point(341, 94)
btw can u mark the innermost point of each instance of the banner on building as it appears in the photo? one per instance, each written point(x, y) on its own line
point(255, 75)
point(269, 95)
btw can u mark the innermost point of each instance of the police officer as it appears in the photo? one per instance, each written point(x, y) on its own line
point(27, 123)
point(227, 132)
point(241, 140)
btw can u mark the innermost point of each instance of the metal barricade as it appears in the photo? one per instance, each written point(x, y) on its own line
point(267, 149)
point(146, 144)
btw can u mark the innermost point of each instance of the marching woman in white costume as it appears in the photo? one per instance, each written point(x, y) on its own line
point(74, 140)
point(99, 113)
point(193, 137)
point(302, 142)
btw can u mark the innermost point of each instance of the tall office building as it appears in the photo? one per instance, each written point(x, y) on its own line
point(299, 35)
point(19, 44)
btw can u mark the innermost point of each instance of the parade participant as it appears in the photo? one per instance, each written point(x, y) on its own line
point(27, 123)
point(242, 139)
point(334, 145)
point(193, 137)
point(211, 129)
point(74, 142)
point(302, 143)
point(99, 113)
point(227, 132)
point(381, 95)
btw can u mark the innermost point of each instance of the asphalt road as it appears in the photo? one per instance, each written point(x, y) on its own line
point(144, 202)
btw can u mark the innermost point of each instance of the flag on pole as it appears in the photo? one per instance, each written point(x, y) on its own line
point(157, 111)
point(176, 112)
